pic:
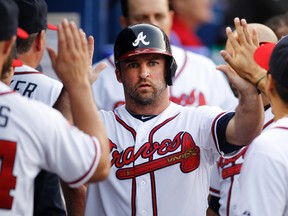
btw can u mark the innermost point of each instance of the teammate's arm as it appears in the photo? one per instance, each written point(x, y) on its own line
point(242, 60)
point(71, 66)
point(247, 122)
point(213, 207)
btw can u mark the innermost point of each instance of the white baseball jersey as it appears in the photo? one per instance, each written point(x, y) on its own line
point(36, 85)
point(197, 82)
point(224, 182)
point(264, 176)
point(33, 137)
point(158, 167)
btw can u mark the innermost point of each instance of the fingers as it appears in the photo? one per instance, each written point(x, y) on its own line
point(96, 71)
point(62, 45)
point(246, 31)
point(68, 36)
point(231, 38)
point(100, 67)
point(76, 42)
point(52, 55)
point(227, 70)
point(255, 39)
point(91, 48)
point(227, 57)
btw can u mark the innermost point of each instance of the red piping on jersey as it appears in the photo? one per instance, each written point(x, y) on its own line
point(92, 165)
point(133, 197)
point(130, 129)
point(152, 176)
point(5, 93)
point(213, 132)
point(229, 195)
point(214, 190)
point(281, 127)
point(268, 123)
point(24, 73)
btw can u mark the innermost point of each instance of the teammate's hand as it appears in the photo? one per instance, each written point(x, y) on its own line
point(244, 45)
point(70, 64)
point(93, 73)
point(238, 83)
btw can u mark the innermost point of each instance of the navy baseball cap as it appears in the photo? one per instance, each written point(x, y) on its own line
point(273, 57)
point(9, 21)
point(33, 16)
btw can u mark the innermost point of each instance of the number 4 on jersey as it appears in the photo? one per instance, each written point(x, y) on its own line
point(7, 180)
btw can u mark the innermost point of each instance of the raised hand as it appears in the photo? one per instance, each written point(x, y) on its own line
point(243, 43)
point(71, 63)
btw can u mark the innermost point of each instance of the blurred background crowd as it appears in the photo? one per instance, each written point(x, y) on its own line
point(199, 25)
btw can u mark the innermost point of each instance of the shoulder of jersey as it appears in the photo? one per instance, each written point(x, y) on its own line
point(108, 60)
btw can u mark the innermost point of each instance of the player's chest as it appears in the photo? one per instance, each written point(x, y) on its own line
point(145, 151)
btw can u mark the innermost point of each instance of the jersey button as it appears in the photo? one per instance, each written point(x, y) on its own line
point(144, 212)
point(143, 183)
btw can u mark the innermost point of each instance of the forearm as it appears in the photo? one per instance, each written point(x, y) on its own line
point(62, 104)
point(248, 120)
point(75, 199)
point(87, 118)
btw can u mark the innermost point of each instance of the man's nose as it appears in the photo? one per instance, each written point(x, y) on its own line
point(144, 71)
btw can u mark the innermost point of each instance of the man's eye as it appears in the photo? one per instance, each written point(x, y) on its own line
point(132, 65)
point(153, 63)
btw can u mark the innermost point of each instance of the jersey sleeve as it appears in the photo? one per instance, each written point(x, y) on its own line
point(214, 188)
point(65, 150)
point(263, 182)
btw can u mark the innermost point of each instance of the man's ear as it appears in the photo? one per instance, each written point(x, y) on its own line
point(123, 22)
point(118, 75)
point(38, 41)
point(270, 83)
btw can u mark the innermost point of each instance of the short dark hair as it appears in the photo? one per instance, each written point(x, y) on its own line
point(125, 10)
point(282, 91)
point(24, 45)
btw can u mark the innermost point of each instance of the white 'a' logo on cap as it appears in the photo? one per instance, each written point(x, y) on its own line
point(140, 38)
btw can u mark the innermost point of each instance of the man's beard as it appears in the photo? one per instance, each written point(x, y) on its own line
point(8, 63)
point(142, 98)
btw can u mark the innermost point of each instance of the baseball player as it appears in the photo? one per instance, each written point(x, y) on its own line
point(263, 178)
point(161, 152)
point(206, 85)
point(36, 85)
point(224, 186)
point(27, 80)
point(33, 136)
point(224, 181)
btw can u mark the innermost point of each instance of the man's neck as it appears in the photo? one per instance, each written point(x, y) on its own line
point(29, 59)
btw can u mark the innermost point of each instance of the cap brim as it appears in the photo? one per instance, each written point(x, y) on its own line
point(22, 34)
point(16, 63)
point(52, 27)
point(263, 53)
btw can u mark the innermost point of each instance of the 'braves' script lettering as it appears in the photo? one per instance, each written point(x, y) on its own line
point(182, 149)
point(120, 159)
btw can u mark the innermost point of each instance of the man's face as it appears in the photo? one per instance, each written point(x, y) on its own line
point(143, 77)
point(152, 12)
